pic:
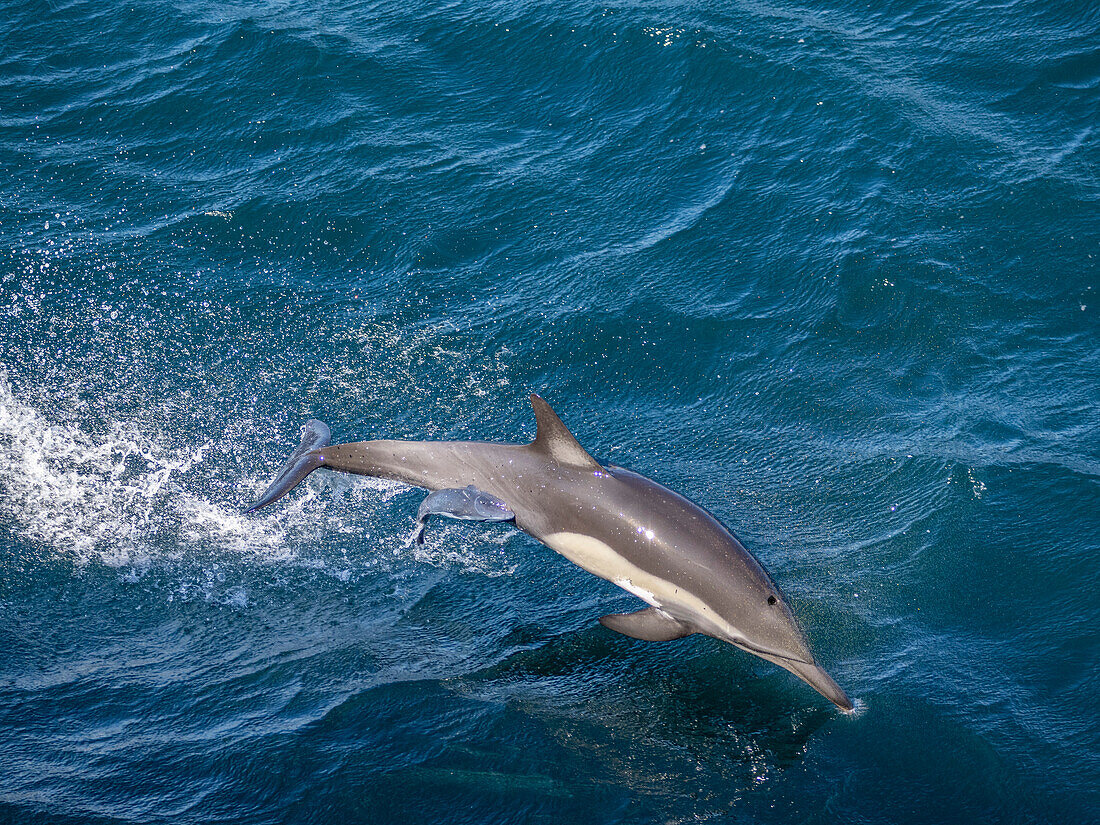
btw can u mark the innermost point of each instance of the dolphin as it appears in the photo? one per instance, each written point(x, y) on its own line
point(692, 572)
point(469, 504)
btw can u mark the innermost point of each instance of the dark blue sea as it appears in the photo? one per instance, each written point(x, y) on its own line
point(831, 270)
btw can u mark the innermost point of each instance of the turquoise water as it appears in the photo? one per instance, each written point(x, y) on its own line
point(829, 270)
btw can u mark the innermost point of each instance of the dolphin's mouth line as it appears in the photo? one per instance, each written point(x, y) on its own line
point(764, 652)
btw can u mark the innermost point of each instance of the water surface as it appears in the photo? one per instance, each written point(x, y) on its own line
point(830, 271)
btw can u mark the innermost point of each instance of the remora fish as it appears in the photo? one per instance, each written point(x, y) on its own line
point(616, 524)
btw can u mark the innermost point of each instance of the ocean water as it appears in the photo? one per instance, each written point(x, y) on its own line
point(829, 269)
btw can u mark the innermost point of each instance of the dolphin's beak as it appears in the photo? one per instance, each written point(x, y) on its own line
point(815, 676)
point(809, 672)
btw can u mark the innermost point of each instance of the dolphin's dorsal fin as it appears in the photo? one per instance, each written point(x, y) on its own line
point(554, 440)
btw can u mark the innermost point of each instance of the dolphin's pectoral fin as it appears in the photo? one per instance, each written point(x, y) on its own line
point(464, 503)
point(650, 625)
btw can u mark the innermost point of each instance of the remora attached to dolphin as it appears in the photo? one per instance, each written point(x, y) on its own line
point(693, 573)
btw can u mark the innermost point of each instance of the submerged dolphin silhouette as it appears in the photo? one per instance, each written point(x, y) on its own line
point(618, 525)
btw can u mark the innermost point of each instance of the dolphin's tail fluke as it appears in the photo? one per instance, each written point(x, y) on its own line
point(302, 462)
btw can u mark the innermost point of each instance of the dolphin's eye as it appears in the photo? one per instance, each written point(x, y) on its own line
point(772, 599)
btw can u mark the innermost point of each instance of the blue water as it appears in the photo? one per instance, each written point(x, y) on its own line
point(830, 270)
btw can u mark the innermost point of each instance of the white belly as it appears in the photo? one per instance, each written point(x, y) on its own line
point(601, 560)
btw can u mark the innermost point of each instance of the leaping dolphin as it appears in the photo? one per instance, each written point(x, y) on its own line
point(693, 573)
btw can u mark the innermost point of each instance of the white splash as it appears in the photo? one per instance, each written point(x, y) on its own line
point(81, 493)
point(119, 496)
point(859, 707)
